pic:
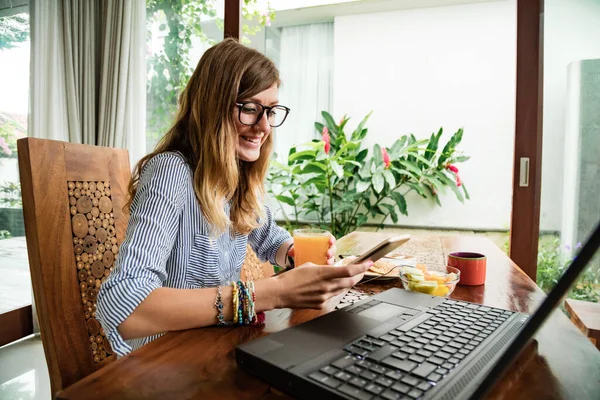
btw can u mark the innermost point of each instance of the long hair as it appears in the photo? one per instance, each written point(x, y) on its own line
point(204, 133)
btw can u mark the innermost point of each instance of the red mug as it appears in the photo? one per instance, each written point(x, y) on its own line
point(472, 267)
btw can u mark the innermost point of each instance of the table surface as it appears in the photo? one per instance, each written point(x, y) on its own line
point(560, 363)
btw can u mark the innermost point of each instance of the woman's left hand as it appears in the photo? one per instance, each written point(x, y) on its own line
point(331, 251)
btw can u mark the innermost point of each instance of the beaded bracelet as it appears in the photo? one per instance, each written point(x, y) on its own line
point(239, 309)
point(219, 307)
point(235, 300)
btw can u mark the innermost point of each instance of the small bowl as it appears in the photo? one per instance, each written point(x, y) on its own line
point(437, 282)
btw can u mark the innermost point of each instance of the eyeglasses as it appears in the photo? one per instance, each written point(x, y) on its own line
point(250, 113)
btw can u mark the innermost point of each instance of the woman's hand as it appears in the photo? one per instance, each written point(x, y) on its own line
point(311, 286)
point(330, 251)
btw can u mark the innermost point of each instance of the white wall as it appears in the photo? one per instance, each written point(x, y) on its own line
point(571, 33)
point(425, 68)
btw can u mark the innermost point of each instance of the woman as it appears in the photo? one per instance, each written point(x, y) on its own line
point(196, 201)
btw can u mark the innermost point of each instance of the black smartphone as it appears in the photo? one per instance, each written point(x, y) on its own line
point(382, 249)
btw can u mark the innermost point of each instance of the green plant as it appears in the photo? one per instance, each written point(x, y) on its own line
point(169, 69)
point(340, 184)
point(4, 234)
point(8, 140)
point(13, 29)
point(10, 194)
point(553, 261)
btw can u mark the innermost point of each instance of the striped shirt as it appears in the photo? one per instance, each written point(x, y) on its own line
point(168, 244)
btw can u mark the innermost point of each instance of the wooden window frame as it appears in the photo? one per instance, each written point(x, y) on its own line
point(525, 219)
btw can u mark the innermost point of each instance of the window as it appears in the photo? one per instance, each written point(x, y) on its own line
point(15, 285)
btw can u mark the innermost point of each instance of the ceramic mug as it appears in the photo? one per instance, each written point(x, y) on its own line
point(472, 267)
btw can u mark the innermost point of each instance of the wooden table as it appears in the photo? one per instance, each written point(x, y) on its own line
point(560, 364)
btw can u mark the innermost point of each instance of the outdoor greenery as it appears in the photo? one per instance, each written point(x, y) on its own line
point(170, 69)
point(13, 29)
point(10, 195)
point(553, 260)
point(8, 140)
point(340, 185)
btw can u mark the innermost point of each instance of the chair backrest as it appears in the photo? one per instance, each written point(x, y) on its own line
point(73, 199)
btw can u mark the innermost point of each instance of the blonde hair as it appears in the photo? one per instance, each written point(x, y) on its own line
point(204, 133)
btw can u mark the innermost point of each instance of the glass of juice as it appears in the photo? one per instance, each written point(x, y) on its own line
point(311, 245)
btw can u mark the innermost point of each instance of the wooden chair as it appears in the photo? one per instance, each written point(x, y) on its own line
point(73, 199)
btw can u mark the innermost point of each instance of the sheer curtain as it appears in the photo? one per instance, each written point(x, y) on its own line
point(87, 80)
point(306, 68)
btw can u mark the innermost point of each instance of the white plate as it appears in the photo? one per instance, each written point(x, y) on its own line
point(410, 261)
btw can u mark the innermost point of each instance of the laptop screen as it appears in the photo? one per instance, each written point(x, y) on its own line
point(540, 315)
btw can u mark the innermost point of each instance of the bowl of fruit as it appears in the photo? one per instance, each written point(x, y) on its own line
point(435, 282)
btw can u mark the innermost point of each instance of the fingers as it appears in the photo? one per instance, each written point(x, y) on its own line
point(345, 271)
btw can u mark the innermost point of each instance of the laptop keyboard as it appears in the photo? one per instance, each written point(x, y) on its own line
point(406, 362)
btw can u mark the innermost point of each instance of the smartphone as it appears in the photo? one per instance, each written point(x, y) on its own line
point(382, 249)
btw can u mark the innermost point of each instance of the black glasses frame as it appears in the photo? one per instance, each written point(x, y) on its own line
point(261, 113)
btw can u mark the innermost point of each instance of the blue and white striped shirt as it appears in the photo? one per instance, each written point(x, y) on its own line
point(168, 244)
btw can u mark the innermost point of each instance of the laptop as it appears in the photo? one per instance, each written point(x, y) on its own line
point(402, 345)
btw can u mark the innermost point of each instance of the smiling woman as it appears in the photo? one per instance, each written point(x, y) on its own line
point(196, 202)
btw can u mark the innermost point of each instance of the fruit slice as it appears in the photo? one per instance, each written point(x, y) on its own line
point(423, 268)
point(427, 287)
point(451, 277)
point(441, 291)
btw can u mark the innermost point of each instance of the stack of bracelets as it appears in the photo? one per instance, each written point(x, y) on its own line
point(243, 297)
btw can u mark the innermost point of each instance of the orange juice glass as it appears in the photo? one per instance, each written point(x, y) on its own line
point(311, 245)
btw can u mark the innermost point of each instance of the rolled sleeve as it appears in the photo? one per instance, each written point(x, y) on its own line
point(150, 237)
point(268, 238)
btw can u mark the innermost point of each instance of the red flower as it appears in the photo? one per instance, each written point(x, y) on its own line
point(326, 139)
point(386, 157)
point(452, 168)
point(455, 170)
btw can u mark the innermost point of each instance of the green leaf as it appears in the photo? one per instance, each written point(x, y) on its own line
point(337, 169)
point(319, 127)
point(392, 211)
point(359, 129)
point(411, 166)
point(302, 155)
point(361, 186)
point(433, 145)
point(353, 163)
point(461, 158)
point(286, 200)
point(377, 154)
point(314, 167)
point(401, 202)
point(378, 183)
point(465, 191)
point(389, 178)
point(361, 219)
point(362, 155)
point(397, 147)
point(333, 129)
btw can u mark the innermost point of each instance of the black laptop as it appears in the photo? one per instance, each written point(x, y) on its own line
point(402, 345)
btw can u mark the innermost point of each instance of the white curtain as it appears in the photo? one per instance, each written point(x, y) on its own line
point(306, 68)
point(87, 81)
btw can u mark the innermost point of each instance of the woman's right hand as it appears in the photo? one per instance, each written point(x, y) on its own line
point(311, 286)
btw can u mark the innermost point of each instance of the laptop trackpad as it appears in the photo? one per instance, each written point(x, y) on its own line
point(382, 311)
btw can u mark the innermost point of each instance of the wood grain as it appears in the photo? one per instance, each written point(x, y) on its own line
point(200, 363)
point(45, 168)
point(15, 324)
point(525, 217)
point(586, 316)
